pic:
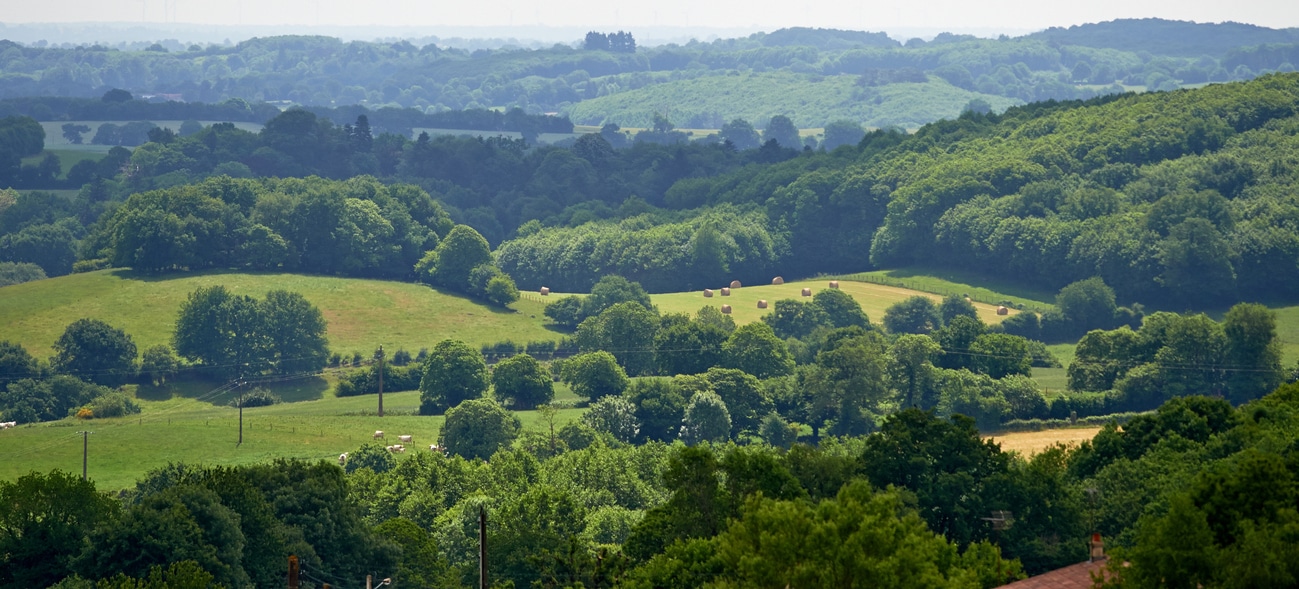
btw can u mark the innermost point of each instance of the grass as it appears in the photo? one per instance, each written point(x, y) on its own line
point(874, 299)
point(948, 282)
point(195, 430)
point(54, 138)
point(361, 314)
point(67, 158)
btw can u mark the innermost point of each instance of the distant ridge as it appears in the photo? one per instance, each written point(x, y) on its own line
point(1167, 37)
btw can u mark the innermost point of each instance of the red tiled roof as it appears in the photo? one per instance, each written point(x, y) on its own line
point(1078, 576)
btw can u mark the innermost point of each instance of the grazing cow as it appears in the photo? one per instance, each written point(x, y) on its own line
point(378, 434)
point(342, 459)
point(8, 424)
point(435, 448)
point(404, 439)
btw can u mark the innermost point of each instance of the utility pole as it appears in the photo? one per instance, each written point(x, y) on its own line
point(85, 446)
point(482, 547)
point(240, 384)
point(380, 356)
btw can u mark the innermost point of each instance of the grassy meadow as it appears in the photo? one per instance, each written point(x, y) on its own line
point(68, 157)
point(54, 138)
point(874, 299)
point(361, 314)
point(203, 429)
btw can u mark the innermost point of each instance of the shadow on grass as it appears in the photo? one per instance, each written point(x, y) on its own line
point(305, 389)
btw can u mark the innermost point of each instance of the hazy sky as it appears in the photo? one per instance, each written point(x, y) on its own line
point(765, 14)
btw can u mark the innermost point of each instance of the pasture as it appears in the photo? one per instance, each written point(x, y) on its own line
point(69, 157)
point(54, 138)
point(204, 429)
point(361, 314)
point(873, 298)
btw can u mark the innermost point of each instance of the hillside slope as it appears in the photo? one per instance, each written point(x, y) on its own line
point(362, 314)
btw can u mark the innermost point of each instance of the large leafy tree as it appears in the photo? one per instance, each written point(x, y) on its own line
point(755, 349)
point(594, 375)
point(627, 330)
point(296, 330)
point(95, 351)
point(524, 381)
point(477, 428)
point(952, 470)
point(453, 373)
point(917, 314)
point(660, 405)
point(456, 256)
point(841, 308)
point(44, 523)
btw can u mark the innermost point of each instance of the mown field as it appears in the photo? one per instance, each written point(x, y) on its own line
point(362, 314)
point(198, 427)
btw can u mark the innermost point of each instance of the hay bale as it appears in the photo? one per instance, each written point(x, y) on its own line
point(545, 291)
point(708, 293)
point(726, 309)
point(778, 280)
point(1003, 311)
point(726, 292)
point(834, 284)
point(807, 292)
point(735, 284)
point(762, 304)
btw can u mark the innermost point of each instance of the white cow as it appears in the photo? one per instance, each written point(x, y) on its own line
point(342, 459)
point(404, 439)
point(378, 434)
point(8, 424)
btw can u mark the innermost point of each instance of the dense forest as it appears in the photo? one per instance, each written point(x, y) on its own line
point(1182, 198)
point(845, 74)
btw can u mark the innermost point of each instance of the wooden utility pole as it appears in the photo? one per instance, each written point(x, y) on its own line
point(380, 355)
point(482, 547)
point(85, 446)
point(241, 413)
point(293, 572)
point(369, 579)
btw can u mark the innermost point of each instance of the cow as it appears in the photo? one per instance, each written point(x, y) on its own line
point(378, 434)
point(342, 459)
point(404, 439)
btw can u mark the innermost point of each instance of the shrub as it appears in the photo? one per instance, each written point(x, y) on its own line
point(259, 397)
point(110, 405)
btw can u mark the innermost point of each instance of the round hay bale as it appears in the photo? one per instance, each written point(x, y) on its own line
point(726, 292)
point(726, 309)
point(762, 304)
point(807, 292)
point(1003, 311)
point(735, 284)
point(708, 293)
point(545, 291)
point(778, 280)
point(834, 284)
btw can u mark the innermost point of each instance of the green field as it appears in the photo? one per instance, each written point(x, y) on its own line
point(362, 314)
point(68, 157)
point(874, 299)
point(54, 138)
point(949, 282)
point(195, 430)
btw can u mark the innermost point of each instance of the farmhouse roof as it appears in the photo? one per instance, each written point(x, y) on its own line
point(1078, 576)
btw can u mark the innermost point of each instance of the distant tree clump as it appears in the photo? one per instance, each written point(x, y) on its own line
point(477, 428)
point(95, 351)
point(524, 381)
point(454, 373)
point(239, 336)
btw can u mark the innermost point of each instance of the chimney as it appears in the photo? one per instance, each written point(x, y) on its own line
point(1098, 548)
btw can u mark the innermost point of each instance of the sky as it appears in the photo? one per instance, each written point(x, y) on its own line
point(886, 15)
